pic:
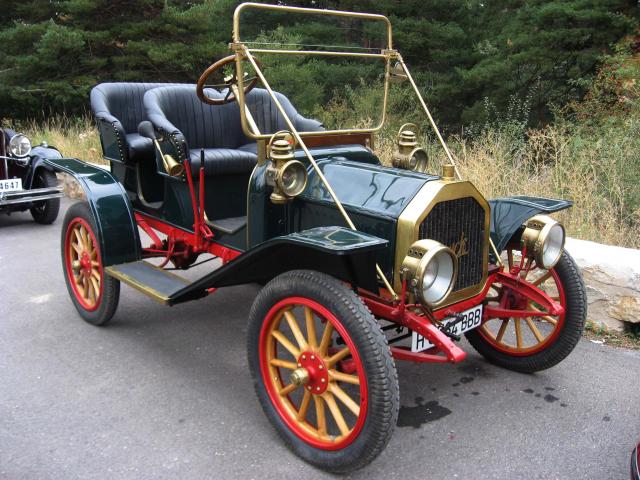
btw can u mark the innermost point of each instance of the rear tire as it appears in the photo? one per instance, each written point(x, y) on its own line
point(94, 293)
point(46, 211)
point(362, 384)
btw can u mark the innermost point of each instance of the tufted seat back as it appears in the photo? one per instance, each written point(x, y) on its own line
point(193, 125)
point(118, 108)
point(122, 100)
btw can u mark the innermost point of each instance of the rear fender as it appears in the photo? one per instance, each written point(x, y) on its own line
point(509, 214)
point(117, 228)
point(345, 254)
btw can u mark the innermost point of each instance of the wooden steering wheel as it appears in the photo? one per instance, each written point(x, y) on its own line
point(228, 82)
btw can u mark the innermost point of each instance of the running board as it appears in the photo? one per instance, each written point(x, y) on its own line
point(148, 279)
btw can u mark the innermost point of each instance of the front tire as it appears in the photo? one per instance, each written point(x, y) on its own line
point(322, 370)
point(46, 211)
point(531, 344)
point(94, 293)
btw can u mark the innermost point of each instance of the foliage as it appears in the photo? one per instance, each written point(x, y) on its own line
point(466, 55)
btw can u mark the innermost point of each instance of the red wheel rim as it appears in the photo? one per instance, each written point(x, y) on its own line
point(83, 264)
point(495, 336)
point(330, 383)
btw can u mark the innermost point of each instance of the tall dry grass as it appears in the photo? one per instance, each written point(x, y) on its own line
point(77, 138)
point(597, 170)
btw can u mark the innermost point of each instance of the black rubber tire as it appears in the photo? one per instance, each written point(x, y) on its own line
point(568, 337)
point(45, 212)
point(110, 286)
point(379, 367)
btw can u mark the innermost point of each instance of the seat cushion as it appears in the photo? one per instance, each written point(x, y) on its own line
point(139, 147)
point(221, 161)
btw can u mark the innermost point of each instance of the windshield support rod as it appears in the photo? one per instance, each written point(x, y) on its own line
point(300, 142)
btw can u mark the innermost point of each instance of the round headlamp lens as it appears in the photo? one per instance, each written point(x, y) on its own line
point(438, 277)
point(553, 245)
point(20, 145)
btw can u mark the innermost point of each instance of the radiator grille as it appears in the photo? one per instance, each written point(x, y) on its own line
point(459, 224)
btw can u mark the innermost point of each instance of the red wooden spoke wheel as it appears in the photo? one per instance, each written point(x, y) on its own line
point(322, 370)
point(536, 340)
point(94, 294)
point(304, 378)
point(83, 264)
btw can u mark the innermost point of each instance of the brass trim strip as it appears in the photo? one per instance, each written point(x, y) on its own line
point(326, 53)
point(419, 208)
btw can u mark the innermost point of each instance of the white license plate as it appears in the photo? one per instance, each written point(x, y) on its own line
point(10, 185)
point(471, 319)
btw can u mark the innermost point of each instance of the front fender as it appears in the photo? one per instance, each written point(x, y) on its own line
point(509, 213)
point(39, 155)
point(345, 254)
point(117, 228)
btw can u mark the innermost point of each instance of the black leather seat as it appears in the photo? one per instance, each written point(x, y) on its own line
point(118, 109)
point(193, 126)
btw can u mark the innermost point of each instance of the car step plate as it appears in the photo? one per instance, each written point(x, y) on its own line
point(149, 279)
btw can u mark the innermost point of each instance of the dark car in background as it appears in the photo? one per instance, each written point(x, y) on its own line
point(26, 182)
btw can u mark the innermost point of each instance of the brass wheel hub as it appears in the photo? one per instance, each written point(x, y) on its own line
point(316, 372)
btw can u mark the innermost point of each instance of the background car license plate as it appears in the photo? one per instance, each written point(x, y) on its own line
point(10, 185)
point(472, 319)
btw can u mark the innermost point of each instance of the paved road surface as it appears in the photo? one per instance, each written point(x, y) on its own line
point(165, 393)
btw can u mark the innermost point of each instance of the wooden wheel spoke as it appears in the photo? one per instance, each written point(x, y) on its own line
point(295, 329)
point(546, 318)
point(95, 274)
point(288, 389)
point(76, 248)
point(502, 329)
point(276, 362)
point(304, 406)
point(311, 328)
point(78, 235)
point(344, 377)
point(534, 329)
point(346, 399)
point(85, 286)
point(96, 287)
point(86, 242)
point(542, 278)
point(320, 415)
point(336, 413)
point(338, 356)
point(284, 341)
point(518, 332)
point(326, 339)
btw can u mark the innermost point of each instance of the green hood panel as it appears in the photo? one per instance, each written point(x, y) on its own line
point(368, 189)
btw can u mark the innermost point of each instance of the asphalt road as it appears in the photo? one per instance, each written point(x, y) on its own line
point(165, 393)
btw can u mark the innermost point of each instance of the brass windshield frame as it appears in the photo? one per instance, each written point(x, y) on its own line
point(244, 53)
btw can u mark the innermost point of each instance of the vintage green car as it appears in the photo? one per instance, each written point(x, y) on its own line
point(361, 263)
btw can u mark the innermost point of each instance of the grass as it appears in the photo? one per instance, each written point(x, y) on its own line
point(76, 137)
point(627, 339)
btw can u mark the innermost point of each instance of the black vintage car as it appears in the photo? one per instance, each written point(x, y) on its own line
point(362, 263)
point(26, 181)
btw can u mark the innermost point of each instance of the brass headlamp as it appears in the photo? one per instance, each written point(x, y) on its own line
point(543, 240)
point(287, 176)
point(409, 156)
point(430, 269)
